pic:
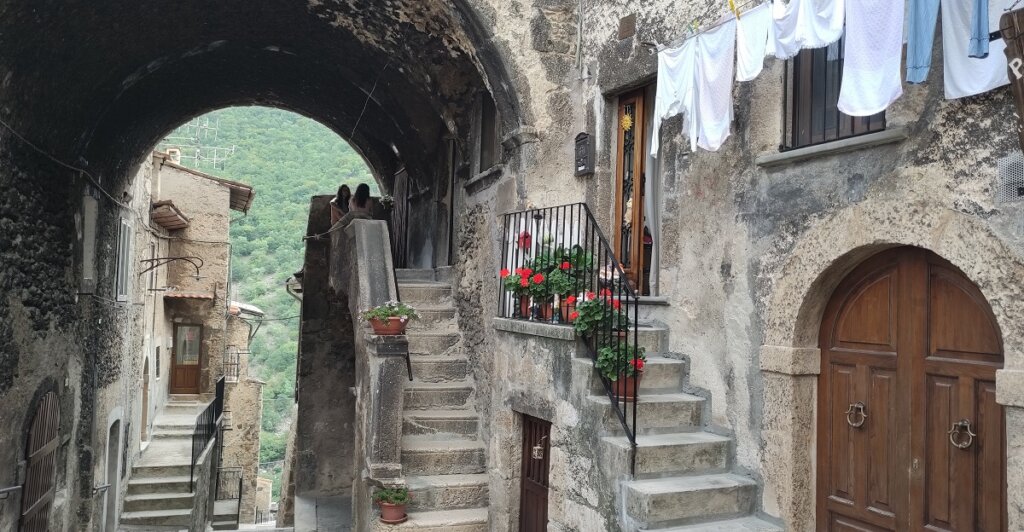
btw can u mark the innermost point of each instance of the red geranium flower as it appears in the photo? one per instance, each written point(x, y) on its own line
point(525, 240)
point(566, 265)
point(539, 278)
point(590, 295)
point(504, 273)
point(616, 304)
point(524, 282)
point(606, 292)
point(638, 364)
point(573, 315)
point(570, 300)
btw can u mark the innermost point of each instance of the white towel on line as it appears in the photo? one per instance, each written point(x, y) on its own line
point(711, 118)
point(675, 86)
point(752, 31)
point(872, 54)
point(963, 75)
point(806, 24)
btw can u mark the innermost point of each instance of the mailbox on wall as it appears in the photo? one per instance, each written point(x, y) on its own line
point(584, 155)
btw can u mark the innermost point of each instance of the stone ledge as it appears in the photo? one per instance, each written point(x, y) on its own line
point(653, 301)
point(532, 328)
point(888, 136)
point(1010, 387)
point(484, 179)
point(791, 360)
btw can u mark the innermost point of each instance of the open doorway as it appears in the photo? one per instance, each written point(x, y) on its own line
point(112, 477)
point(144, 427)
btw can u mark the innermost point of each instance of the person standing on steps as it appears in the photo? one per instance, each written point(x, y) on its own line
point(359, 207)
point(339, 205)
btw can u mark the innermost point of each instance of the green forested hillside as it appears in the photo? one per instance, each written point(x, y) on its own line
point(287, 158)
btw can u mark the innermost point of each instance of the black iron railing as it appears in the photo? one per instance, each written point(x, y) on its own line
point(229, 483)
point(558, 268)
point(232, 363)
point(206, 429)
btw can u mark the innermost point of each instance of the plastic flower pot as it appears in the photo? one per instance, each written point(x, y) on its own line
point(625, 387)
point(524, 307)
point(392, 514)
point(389, 327)
point(546, 311)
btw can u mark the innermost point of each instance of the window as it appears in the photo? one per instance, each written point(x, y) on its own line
point(124, 262)
point(489, 146)
point(158, 362)
point(152, 266)
point(812, 117)
point(89, 212)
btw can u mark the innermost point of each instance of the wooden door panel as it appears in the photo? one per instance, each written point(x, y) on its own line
point(868, 319)
point(960, 327)
point(990, 460)
point(533, 504)
point(881, 455)
point(843, 481)
point(940, 462)
point(842, 523)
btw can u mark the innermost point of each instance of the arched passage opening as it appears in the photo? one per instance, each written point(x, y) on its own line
point(89, 88)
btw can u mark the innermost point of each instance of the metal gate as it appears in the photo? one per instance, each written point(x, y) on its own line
point(37, 495)
point(400, 220)
point(533, 504)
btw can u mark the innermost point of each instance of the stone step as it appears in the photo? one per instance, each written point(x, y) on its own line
point(426, 395)
point(743, 524)
point(661, 375)
point(157, 501)
point(142, 486)
point(422, 342)
point(677, 453)
point(652, 337)
point(468, 520)
point(158, 517)
point(225, 525)
point(435, 319)
point(431, 368)
point(140, 471)
point(433, 457)
point(425, 294)
point(683, 500)
point(441, 423)
point(173, 434)
point(447, 492)
point(675, 412)
point(409, 275)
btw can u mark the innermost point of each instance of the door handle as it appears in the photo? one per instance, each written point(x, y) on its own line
point(957, 431)
point(855, 415)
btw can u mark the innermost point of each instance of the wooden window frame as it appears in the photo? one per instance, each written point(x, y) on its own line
point(488, 137)
point(811, 86)
point(635, 269)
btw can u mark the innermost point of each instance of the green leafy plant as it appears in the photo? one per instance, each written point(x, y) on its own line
point(398, 495)
point(618, 359)
point(519, 282)
point(561, 284)
point(599, 313)
point(391, 309)
point(539, 287)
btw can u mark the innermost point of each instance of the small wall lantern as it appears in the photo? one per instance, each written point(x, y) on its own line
point(584, 155)
point(537, 452)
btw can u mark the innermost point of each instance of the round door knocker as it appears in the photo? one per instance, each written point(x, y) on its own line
point(855, 415)
point(959, 429)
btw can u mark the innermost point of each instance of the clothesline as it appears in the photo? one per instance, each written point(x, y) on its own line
point(690, 34)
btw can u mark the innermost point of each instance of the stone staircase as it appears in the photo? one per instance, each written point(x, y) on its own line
point(159, 491)
point(443, 458)
point(682, 480)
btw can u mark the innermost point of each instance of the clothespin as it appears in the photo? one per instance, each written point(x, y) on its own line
point(732, 7)
point(693, 27)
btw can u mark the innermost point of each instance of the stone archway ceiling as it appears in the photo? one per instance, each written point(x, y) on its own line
point(102, 81)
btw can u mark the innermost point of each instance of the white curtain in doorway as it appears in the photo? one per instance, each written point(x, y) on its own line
point(652, 191)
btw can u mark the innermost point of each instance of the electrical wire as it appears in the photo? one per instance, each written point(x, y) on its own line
point(691, 34)
point(368, 97)
point(59, 162)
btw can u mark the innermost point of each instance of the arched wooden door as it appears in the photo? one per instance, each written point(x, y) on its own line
point(910, 436)
point(41, 454)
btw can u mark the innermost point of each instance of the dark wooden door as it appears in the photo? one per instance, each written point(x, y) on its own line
point(533, 505)
point(186, 359)
point(41, 454)
point(629, 187)
point(910, 348)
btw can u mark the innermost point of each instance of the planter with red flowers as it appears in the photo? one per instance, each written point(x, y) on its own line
point(623, 366)
point(391, 318)
point(392, 502)
point(599, 315)
point(518, 284)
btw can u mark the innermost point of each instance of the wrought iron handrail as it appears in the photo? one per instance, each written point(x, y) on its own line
point(206, 429)
point(561, 259)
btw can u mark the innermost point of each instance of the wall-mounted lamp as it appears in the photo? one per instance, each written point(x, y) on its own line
point(196, 262)
point(537, 453)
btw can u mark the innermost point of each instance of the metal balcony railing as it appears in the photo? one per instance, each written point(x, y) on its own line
point(206, 429)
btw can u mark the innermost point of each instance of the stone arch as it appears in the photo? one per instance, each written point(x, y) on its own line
point(822, 257)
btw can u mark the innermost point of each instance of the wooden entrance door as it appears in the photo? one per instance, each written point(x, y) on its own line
point(186, 359)
point(910, 436)
point(533, 504)
point(37, 493)
point(629, 187)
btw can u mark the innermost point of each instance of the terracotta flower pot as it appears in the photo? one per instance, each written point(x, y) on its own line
point(390, 327)
point(524, 307)
point(392, 514)
point(546, 311)
point(567, 310)
point(625, 387)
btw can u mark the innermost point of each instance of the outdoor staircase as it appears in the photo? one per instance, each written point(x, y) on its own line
point(682, 479)
point(443, 457)
point(159, 491)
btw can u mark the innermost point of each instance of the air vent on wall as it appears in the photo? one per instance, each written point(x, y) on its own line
point(1010, 185)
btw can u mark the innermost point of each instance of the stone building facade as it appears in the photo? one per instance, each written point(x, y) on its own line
point(481, 101)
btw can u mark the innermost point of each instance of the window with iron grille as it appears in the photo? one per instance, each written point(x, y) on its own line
point(124, 260)
point(811, 115)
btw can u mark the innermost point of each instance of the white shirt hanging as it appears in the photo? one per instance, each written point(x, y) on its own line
point(752, 41)
point(964, 75)
point(872, 53)
point(675, 86)
point(806, 24)
point(711, 118)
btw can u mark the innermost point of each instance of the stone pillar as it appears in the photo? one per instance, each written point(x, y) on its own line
point(388, 373)
point(1010, 394)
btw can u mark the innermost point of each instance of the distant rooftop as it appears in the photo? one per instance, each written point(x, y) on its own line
point(242, 195)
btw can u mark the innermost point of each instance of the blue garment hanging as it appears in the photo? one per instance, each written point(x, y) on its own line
point(979, 30)
point(920, 38)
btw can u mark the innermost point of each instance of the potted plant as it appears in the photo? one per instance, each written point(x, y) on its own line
point(391, 318)
point(518, 284)
point(392, 502)
point(599, 315)
point(543, 298)
point(623, 365)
